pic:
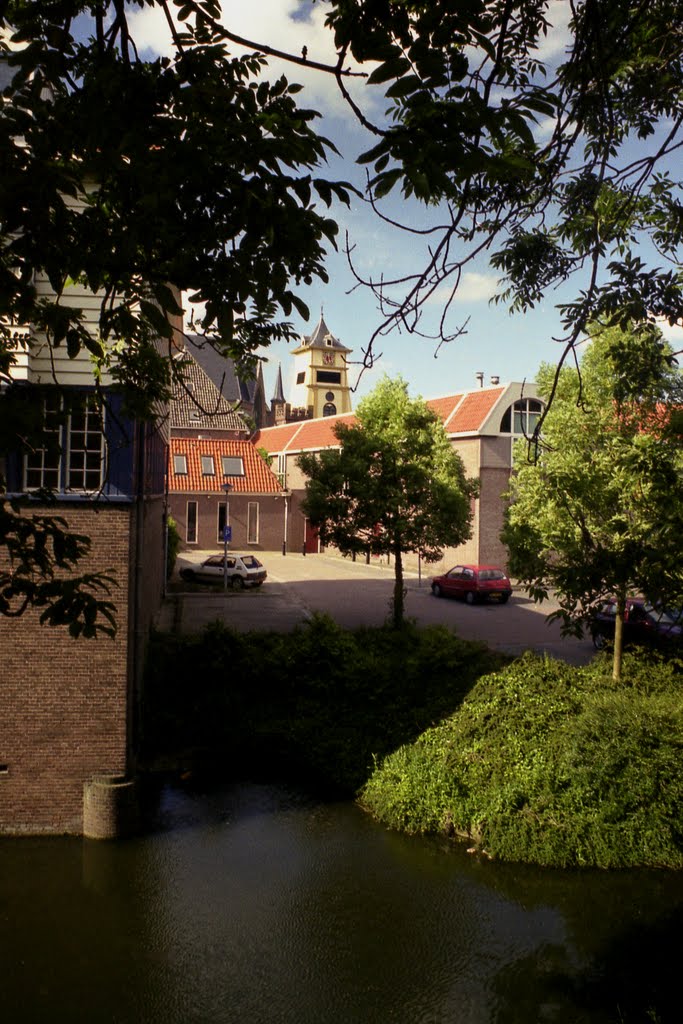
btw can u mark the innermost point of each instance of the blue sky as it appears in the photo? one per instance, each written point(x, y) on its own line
point(495, 343)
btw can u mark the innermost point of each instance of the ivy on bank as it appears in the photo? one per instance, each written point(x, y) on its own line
point(552, 765)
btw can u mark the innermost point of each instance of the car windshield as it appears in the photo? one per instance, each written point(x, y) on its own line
point(668, 616)
point(250, 562)
point(491, 574)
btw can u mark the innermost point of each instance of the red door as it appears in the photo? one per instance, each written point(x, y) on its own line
point(310, 539)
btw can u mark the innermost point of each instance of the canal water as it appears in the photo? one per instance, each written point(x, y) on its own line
point(254, 904)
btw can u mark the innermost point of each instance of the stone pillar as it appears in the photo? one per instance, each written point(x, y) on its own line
point(110, 807)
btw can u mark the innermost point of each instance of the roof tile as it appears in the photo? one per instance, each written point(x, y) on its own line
point(258, 479)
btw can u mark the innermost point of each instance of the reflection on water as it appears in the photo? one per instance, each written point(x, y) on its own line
point(254, 904)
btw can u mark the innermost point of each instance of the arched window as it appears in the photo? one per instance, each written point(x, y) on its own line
point(329, 409)
point(521, 418)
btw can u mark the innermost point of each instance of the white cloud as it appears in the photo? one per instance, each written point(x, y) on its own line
point(674, 334)
point(473, 287)
point(559, 37)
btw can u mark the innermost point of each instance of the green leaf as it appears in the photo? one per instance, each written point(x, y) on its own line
point(393, 68)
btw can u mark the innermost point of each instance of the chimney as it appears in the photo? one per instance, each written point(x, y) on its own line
point(480, 378)
point(495, 380)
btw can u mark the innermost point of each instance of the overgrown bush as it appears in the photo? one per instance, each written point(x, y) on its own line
point(322, 701)
point(172, 545)
point(552, 765)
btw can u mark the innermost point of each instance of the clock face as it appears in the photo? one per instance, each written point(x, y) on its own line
point(328, 358)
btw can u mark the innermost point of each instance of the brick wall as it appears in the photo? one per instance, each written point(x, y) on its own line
point(271, 520)
point(65, 701)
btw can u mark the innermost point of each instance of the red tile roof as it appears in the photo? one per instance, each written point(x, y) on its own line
point(302, 436)
point(258, 478)
point(276, 439)
point(464, 413)
point(444, 407)
point(473, 411)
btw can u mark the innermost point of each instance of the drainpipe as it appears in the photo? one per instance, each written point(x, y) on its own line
point(138, 632)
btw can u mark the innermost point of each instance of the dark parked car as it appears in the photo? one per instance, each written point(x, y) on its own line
point(643, 624)
point(473, 583)
point(243, 571)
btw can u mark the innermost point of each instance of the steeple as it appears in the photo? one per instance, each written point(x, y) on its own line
point(278, 405)
point(279, 395)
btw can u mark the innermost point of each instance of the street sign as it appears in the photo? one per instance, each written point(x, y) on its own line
point(227, 533)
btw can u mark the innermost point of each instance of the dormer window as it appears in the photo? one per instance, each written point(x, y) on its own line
point(521, 418)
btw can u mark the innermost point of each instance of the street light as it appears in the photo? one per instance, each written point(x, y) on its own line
point(227, 487)
point(233, 466)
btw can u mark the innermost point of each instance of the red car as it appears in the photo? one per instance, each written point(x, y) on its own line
point(474, 583)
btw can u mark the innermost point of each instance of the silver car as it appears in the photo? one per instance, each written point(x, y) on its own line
point(243, 571)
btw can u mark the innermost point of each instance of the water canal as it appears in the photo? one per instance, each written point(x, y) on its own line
point(254, 904)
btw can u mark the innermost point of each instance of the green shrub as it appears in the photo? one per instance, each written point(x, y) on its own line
point(552, 765)
point(322, 701)
point(172, 545)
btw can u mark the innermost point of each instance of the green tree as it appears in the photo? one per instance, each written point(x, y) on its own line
point(597, 510)
point(394, 485)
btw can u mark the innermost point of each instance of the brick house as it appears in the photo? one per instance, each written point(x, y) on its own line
point(68, 736)
point(253, 506)
point(482, 425)
point(209, 450)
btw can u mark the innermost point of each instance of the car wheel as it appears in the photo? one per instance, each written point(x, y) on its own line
point(469, 597)
point(599, 641)
point(436, 590)
point(504, 598)
point(237, 583)
point(187, 574)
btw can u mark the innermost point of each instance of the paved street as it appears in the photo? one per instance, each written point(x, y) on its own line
point(356, 594)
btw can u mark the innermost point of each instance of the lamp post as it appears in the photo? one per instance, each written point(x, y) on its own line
point(227, 487)
point(233, 466)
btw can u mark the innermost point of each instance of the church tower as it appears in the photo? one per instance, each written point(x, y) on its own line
point(321, 385)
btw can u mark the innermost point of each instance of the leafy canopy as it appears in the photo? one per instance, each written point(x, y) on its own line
point(553, 147)
point(394, 485)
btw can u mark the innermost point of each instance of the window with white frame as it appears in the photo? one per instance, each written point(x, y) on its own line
point(42, 466)
point(232, 465)
point(180, 465)
point(74, 457)
point(252, 522)
point(191, 523)
point(521, 418)
point(84, 448)
point(208, 468)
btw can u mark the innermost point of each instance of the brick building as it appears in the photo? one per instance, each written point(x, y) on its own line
point(69, 718)
point(216, 477)
point(253, 506)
